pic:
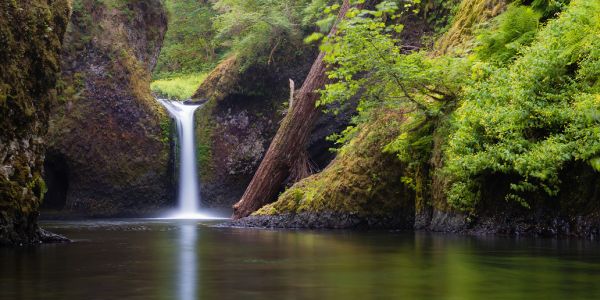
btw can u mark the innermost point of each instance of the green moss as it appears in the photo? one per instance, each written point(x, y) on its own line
point(362, 180)
point(108, 108)
point(165, 127)
point(205, 126)
point(71, 87)
point(470, 15)
point(38, 186)
point(178, 87)
point(189, 47)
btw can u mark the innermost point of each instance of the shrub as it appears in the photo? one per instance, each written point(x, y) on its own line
point(179, 87)
point(529, 120)
point(513, 29)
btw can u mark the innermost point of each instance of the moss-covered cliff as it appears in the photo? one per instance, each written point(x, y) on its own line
point(108, 138)
point(508, 164)
point(234, 128)
point(362, 187)
point(500, 128)
point(31, 34)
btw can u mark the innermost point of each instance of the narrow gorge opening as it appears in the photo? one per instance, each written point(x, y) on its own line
point(56, 176)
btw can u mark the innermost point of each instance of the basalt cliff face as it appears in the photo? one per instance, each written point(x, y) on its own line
point(108, 141)
point(31, 34)
point(242, 112)
point(236, 124)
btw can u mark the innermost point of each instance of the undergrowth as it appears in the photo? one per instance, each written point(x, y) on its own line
point(179, 87)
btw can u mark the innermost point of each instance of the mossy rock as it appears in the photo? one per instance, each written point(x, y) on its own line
point(363, 182)
point(31, 35)
point(471, 14)
point(110, 131)
point(244, 103)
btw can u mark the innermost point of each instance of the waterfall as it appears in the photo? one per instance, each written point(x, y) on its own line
point(189, 193)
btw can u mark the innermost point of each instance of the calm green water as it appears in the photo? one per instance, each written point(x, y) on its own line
point(190, 260)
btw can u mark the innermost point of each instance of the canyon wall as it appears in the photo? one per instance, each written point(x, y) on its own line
point(31, 34)
point(109, 151)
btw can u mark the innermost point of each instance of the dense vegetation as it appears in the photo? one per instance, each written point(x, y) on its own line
point(189, 49)
point(511, 101)
point(466, 97)
point(510, 86)
point(530, 119)
point(526, 97)
point(257, 32)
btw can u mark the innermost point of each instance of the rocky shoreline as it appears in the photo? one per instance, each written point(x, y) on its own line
point(25, 231)
point(323, 220)
point(579, 227)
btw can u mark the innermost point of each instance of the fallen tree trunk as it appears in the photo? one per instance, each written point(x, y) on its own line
point(288, 148)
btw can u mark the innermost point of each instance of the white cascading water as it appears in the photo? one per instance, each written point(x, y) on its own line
point(189, 193)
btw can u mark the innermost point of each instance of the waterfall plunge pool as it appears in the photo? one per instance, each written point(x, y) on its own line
point(183, 259)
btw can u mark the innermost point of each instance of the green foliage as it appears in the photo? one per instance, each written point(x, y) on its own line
point(180, 87)
point(529, 120)
point(529, 102)
point(438, 13)
point(189, 46)
point(547, 8)
point(189, 49)
point(367, 62)
point(256, 29)
point(315, 13)
point(513, 29)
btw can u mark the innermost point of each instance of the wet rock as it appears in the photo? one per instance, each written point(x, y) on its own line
point(28, 77)
point(243, 112)
point(195, 101)
point(109, 131)
point(322, 220)
point(52, 238)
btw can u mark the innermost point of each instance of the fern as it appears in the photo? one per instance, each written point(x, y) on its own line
point(513, 30)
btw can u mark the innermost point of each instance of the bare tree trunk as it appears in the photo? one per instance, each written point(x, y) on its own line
point(288, 147)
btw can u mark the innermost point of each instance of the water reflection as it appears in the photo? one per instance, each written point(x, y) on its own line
point(188, 260)
point(187, 275)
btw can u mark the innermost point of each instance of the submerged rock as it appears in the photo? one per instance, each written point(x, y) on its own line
point(52, 238)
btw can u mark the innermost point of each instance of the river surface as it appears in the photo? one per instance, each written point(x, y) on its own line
point(159, 259)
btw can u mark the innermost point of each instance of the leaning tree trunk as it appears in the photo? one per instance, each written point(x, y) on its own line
point(288, 148)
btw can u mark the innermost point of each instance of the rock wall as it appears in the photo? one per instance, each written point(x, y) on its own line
point(361, 188)
point(31, 34)
point(235, 127)
point(573, 212)
point(363, 184)
point(109, 151)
